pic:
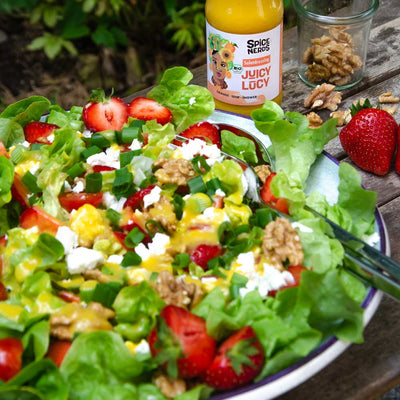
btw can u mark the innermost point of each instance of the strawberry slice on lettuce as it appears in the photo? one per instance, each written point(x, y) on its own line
point(103, 113)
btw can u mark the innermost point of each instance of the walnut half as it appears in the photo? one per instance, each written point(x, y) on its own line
point(281, 243)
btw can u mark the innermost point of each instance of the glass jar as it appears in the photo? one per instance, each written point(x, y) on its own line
point(333, 39)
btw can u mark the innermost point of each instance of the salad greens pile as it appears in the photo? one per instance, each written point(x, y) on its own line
point(103, 363)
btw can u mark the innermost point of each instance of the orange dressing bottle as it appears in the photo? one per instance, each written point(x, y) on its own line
point(244, 50)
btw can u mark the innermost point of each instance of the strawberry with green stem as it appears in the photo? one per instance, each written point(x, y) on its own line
point(238, 361)
point(369, 138)
point(103, 113)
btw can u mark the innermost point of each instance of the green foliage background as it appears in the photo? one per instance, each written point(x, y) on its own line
point(118, 43)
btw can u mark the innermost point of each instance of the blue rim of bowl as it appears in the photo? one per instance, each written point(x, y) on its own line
point(372, 292)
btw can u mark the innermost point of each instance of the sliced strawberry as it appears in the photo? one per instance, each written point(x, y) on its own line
point(135, 201)
point(149, 109)
point(103, 113)
point(203, 130)
point(203, 253)
point(38, 132)
point(238, 361)
point(11, 350)
point(268, 197)
point(184, 336)
point(102, 168)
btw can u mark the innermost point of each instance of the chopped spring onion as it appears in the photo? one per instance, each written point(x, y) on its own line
point(90, 151)
point(200, 165)
point(122, 185)
point(94, 182)
point(126, 157)
point(134, 237)
point(130, 259)
point(133, 131)
point(197, 185)
point(99, 140)
point(76, 170)
point(181, 260)
point(30, 181)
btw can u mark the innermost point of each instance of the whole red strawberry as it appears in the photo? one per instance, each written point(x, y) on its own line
point(238, 361)
point(180, 342)
point(370, 140)
point(103, 113)
point(397, 163)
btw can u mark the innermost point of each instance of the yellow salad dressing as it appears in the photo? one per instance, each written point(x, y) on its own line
point(244, 51)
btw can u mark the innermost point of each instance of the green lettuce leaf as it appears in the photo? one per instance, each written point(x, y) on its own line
point(60, 156)
point(295, 145)
point(38, 380)
point(136, 309)
point(239, 146)
point(99, 365)
point(189, 104)
point(6, 180)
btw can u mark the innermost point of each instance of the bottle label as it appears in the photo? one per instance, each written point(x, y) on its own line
point(244, 70)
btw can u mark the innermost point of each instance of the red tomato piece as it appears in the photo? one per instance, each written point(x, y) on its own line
point(57, 351)
point(36, 216)
point(228, 370)
point(11, 350)
point(3, 150)
point(72, 201)
point(203, 253)
point(268, 197)
point(190, 331)
point(20, 192)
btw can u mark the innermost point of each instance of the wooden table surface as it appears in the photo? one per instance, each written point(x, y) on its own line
point(364, 371)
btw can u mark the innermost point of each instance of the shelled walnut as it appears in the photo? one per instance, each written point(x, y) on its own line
point(332, 58)
point(323, 96)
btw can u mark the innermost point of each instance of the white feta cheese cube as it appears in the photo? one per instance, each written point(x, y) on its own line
point(82, 259)
point(68, 238)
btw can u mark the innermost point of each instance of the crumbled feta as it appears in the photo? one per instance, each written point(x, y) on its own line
point(153, 197)
point(135, 145)
point(194, 147)
point(68, 238)
point(110, 201)
point(192, 100)
point(212, 213)
point(50, 138)
point(270, 279)
point(220, 192)
point(81, 259)
point(143, 347)
point(301, 227)
point(79, 187)
point(109, 158)
point(26, 144)
point(86, 133)
point(156, 247)
point(34, 167)
point(115, 259)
